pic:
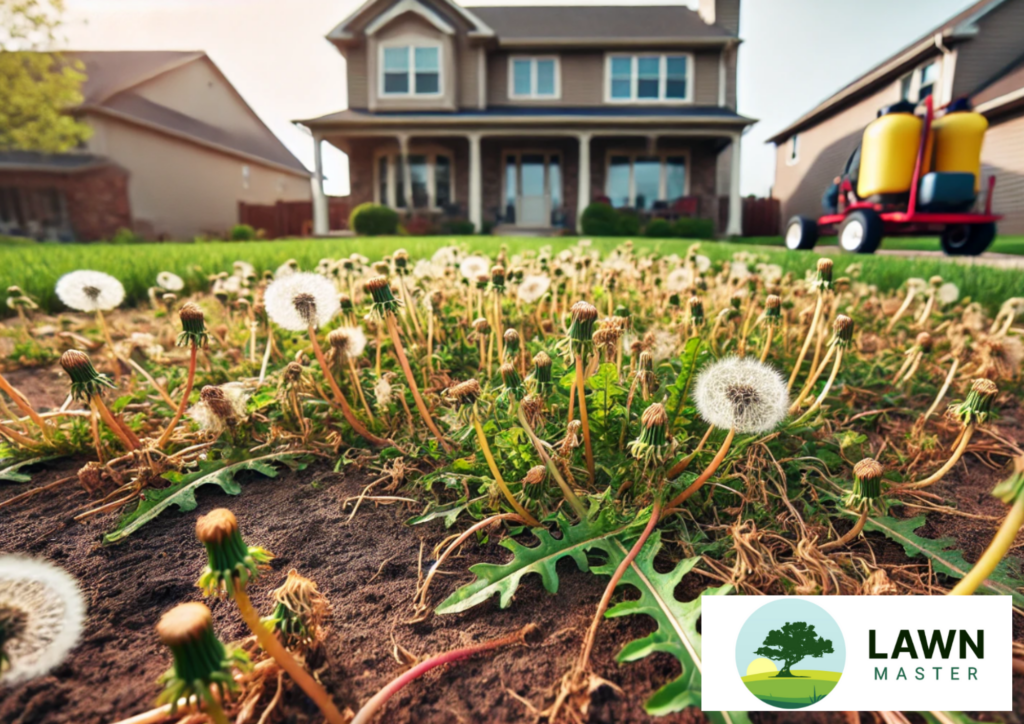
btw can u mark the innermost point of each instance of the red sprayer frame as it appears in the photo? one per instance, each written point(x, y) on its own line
point(913, 221)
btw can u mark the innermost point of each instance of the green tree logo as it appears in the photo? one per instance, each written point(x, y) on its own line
point(793, 643)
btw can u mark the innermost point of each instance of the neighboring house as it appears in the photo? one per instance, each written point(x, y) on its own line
point(173, 152)
point(521, 116)
point(978, 54)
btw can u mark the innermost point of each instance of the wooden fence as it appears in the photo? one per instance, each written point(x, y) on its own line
point(761, 217)
point(292, 218)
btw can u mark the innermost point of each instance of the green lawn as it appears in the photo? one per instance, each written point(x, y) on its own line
point(1002, 244)
point(37, 268)
point(795, 693)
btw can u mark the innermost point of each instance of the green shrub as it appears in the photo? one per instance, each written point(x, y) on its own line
point(17, 241)
point(689, 228)
point(242, 232)
point(629, 223)
point(600, 220)
point(371, 219)
point(125, 235)
point(458, 227)
point(658, 229)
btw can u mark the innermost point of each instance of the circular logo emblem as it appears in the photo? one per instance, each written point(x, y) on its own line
point(790, 654)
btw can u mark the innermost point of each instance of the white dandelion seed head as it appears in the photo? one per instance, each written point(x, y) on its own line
point(1014, 306)
point(285, 270)
point(90, 291)
point(227, 285)
point(663, 344)
point(702, 262)
point(446, 256)
point(741, 393)
point(170, 281)
point(533, 287)
point(424, 269)
point(49, 609)
point(296, 301)
point(238, 395)
point(383, 392)
point(356, 341)
point(244, 269)
point(974, 317)
point(915, 285)
point(206, 418)
point(473, 267)
point(739, 270)
point(770, 272)
point(948, 293)
point(679, 280)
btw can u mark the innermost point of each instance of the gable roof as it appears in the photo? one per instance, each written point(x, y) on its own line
point(1004, 88)
point(343, 32)
point(623, 23)
point(112, 74)
point(960, 26)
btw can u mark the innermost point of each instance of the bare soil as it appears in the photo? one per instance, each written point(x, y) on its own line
point(368, 569)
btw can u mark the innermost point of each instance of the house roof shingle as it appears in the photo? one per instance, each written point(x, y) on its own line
point(112, 74)
point(1005, 82)
point(597, 23)
point(49, 162)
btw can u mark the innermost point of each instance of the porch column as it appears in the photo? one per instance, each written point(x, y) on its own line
point(320, 218)
point(403, 153)
point(583, 182)
point(476, 206)
point(735, 226)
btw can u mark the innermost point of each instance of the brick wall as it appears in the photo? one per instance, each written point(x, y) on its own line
point(96, 200)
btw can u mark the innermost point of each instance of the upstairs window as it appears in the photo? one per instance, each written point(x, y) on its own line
point(794, 149)
point(650, 78)
point(411, 70)
point(920, 83)
point(533, 78)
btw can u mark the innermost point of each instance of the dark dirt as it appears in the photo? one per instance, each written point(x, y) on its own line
point(368, 570)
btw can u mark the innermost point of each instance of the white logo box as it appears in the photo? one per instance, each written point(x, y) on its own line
point(859, 689)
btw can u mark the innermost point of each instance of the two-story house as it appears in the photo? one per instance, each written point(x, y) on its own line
point(977, 54)
point(521, 116)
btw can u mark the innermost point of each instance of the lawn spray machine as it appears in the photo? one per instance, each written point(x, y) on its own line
point(911, 175)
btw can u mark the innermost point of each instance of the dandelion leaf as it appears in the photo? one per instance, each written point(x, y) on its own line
point(12, 473)
point(503, 580)
point(182, 490)
point(692, 357)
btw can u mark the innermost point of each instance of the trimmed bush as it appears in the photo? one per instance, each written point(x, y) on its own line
point(658, 229)
point(371, 219)
point(125, 235)
point(600, 220)
point(689, 228)
point(629, 223)
point(458, 227)
point(242, 232)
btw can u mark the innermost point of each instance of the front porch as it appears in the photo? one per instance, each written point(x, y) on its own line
point(533, 180)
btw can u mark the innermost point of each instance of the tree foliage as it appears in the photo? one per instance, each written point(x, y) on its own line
point(37, 87)
point(795, 641)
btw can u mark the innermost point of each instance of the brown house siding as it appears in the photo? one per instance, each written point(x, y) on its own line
point(1003, 155)
point(731, 57)
point(998, 43)
point(469, 65)
point(705, 79)
point(823, 150)
point(358, 93)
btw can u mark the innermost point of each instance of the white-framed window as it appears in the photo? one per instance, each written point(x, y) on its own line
point(639, 180)
point(920, 83)
point(794, 150)
point(431, 176)
point(534, 78)
point(410, 70)
point(649, 78)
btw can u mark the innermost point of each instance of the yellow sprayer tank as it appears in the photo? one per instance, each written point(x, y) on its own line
point(958, 138)
point(889, 152)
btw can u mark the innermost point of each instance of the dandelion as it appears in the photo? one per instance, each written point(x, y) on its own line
point(915, 287)
point(533, 287)
point(193, 325)
point(581, 335)
point(679, 280)
point(821, 285)
point(90, 291)
point(843, 327)
point(867, 492)
point(220, 408)
point(299, 611)
point(231, 566)
point(301, 301)
point(652, 445)
point(947, 294)
point(383, 392)
point(739, 395)
point(42, 614)
point(347, 344)
point(473, 267)
point(772, 319)
point(86, 384)
point(287, 269)
point(170, 281)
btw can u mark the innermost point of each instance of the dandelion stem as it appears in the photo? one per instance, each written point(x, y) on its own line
point(811, 381)
point(824, 393)
point(581, 389)
point(189, 381)
point(17, 436)
point(708, 472)
point(404, 362)
point(354, 373)
point(215, 712)
point(807, 341)
point(850, 534)
point(502, 485)
point(126, 436)
point(346, 411)
point(965, 439)
point(24, 406)
point(911, 293)
point(570, 497)
point(767, 342)
point(680, 467)
point(945, 387)
point(268, 642)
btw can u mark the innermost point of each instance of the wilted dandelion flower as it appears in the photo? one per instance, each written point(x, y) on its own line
point(533, 287)
point(702, 263)
point(42, 613)
point(301, 300)
point(350, 342)
point(90, 291)
point(170, 281)
point(383, 392)
point(744, 394)
point(220, 407)
point(473, 267)
point(679, 280)
point(948, 293)
point(287, 269)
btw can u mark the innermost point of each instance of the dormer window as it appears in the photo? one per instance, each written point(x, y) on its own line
point(650, 78)
point(410, 70)
point(533, 78)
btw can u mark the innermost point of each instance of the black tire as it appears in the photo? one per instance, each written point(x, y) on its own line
point(861, 232)
point(967, 239)
point(801, 233)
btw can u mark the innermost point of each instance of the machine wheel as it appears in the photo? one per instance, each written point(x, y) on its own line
point(967, 239)
point(801, 233)
point(861, 232)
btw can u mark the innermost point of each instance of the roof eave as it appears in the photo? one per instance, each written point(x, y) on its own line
point(1005, 102)
point(314, 124)
point(675, 41)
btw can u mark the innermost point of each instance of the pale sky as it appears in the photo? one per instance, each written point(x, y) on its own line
point(795, 53)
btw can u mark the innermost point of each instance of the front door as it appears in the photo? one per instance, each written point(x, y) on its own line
point(533, 187)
